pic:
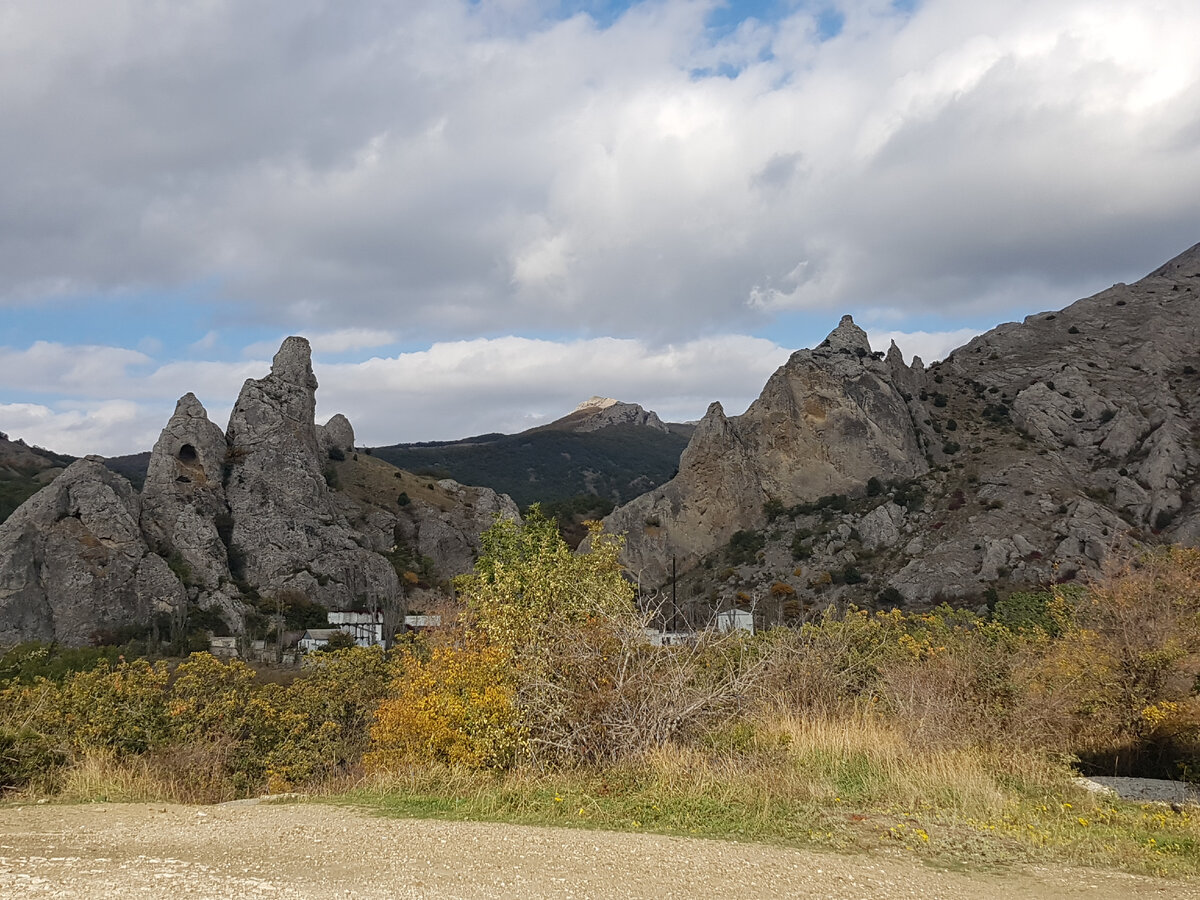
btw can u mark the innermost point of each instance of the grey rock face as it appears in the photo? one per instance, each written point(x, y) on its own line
point(288, 533)
point(250, 510)
point(183, 495)
point(1038, 451)
point(451, 537)
point(73, 561)
point(618, 413)
point(336, 434)
point(826, 422)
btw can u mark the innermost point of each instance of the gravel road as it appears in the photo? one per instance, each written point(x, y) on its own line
point(319, 851)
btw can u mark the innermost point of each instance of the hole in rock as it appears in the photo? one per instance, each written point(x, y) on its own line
point(187, 453)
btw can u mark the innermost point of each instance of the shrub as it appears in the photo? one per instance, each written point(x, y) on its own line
point(744, 546)
point(457, 706)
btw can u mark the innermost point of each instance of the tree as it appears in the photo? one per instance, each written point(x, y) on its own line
point(339, 641)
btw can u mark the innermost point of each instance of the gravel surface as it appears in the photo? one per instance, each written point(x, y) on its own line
point(1148, 790)
point(319, 851)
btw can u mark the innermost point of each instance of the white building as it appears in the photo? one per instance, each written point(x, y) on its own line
point(366, 628)
point(316, 638)
point(728, 620)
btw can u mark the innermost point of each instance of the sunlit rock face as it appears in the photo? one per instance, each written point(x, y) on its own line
point(1042, 450)
point(826, 422)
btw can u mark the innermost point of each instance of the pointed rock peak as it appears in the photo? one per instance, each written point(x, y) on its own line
point(190, 407)
point(714, 418)
point(894, 356)
point(293, 363)
point(917, 365)
point(849, 337)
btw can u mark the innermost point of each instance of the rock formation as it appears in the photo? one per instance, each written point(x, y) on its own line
point(603, 412)
point(183, 502)
point(1031, 455)
point(74, 562)
point(827, 421)
point(288, 534)
point(229, 519)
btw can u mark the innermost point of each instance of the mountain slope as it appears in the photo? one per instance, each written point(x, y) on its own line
point(616, 452)
point(1030, 455)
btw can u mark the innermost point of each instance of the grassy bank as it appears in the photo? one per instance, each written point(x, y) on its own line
point(846, 785)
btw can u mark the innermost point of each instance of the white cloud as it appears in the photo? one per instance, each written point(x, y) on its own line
point(449, 168)
point(49, 367)
point(929, 345)
point(341, 340)
point(111, 428)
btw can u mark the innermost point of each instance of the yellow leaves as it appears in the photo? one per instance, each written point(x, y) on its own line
point(1160, 713)
point(456, 707)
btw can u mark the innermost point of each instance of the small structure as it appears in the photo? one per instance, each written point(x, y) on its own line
point(664, 638)
point(365, 627)
point(316, 638)
point(223, 646)
point(418, 622)
point(728, 620)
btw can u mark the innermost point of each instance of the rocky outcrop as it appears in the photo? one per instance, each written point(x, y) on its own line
point(450, 535)
point(604, 412)
point(74, 562)
point(183, 501)
point(228, 519)
point(288, 534)
point(1037, 453)
point(827, 421)
point(336, 434)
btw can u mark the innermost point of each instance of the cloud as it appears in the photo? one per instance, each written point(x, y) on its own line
point(341, 340)
point(49, 367)
point(930, 346)
point(448, 169)
point(111, 428)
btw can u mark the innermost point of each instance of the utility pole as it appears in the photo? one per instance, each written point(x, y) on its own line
point(674, 598)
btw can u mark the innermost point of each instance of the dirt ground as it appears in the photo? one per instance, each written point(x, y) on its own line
point(319, 851)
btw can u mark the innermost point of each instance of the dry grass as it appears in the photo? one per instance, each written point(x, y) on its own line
point(846, 783)
point(181, 776)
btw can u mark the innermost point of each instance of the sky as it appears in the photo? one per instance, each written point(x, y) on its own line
point(482, 212)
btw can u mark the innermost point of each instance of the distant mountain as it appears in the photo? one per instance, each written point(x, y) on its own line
point(605, 448)
point(132, 467)
point(24, 471)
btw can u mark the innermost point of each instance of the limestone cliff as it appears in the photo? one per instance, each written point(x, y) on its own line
point(183, 498)
point(230, 519)
point(827, 421)
point(288, 534)
point(1033, 454)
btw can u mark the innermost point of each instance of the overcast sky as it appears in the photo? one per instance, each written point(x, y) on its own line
point(484, 212)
